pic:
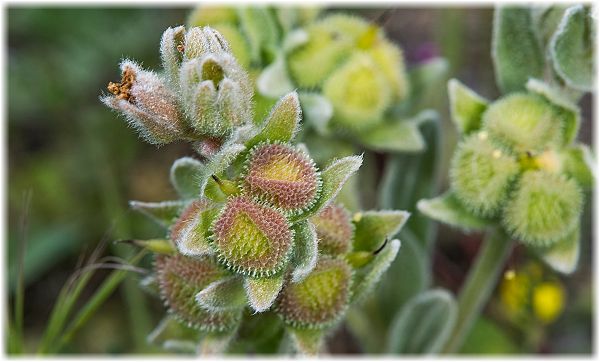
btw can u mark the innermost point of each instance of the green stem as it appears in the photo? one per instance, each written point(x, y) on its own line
point(480, 283)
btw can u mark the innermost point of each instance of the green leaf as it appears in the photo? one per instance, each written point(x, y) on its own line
point(169, 332)
point(366, 277)
point(408, 275)
point(307, 341)
point(262, 292)
point(223, 295)
point(260, 28)
point(191, 234)
point(516, 52)
point(395, 136)
point(571, 118)
point(411, 177)
point(466, 107)
point(305, 250)
point(487, 337)
point(372, 228)
point(333, 177)
point(578, 162)
point(157, 246)
point(448, 209)
point(215, 344)
point(564, 254)
point(572, 48)
point(185, 174)
point(545, 19)
point(426, 80)
point(317, 111)
point(217, 164)
point(282, 123)
point(164, 213)
point(274, 81)
point(424, 324)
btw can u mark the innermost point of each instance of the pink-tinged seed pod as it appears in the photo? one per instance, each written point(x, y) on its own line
point(149, 105)
point(180, 278)
point(251, 238)
point(320, 299)
point(334, 230)
point(282, 176)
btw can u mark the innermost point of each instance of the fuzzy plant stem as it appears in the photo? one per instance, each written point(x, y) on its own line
point(478, 286)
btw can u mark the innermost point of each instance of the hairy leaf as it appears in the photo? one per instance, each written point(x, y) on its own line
point(447, 209)
point(516, 53)
point(466, 107)
point(424, 324)
point(572, 49)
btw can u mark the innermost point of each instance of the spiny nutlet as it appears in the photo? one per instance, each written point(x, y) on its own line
point(481, 174)
point(282, 176)
point(335, 230)
point(544, 208)
point(251, 238)
point(320, 299)
point(180, 278)
point(523, 122)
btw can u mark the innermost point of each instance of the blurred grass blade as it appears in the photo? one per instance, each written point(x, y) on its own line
point(104, 291)
point(16, 332)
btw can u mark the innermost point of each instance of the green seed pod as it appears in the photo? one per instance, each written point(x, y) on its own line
point(359, 93)
point(544, 208)
point(335, 230)
point(524, 122)
point(180, 278)
point(251, 238)
point(282, 176)
point(320, 299)
point(331, 41)
point(481, 174)
point(390, 60)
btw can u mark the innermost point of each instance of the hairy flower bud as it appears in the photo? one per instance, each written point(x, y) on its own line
point(180, 278)
point(171, 52)
point(217, 93)
point(544, 208)
point(481, 173)
point(251, 238)
point(149, 105)
point(524, 122)
point(282, 176)
point(320, 299)
point(335, 230)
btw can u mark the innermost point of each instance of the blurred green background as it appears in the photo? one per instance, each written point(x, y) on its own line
point(82, 164)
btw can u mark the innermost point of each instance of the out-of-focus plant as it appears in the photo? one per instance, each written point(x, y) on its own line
point(256, 229)
point(518, 172)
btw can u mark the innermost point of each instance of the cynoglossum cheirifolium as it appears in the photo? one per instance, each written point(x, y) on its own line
point(349, 75)
point(246, 231)
point(518, 166)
